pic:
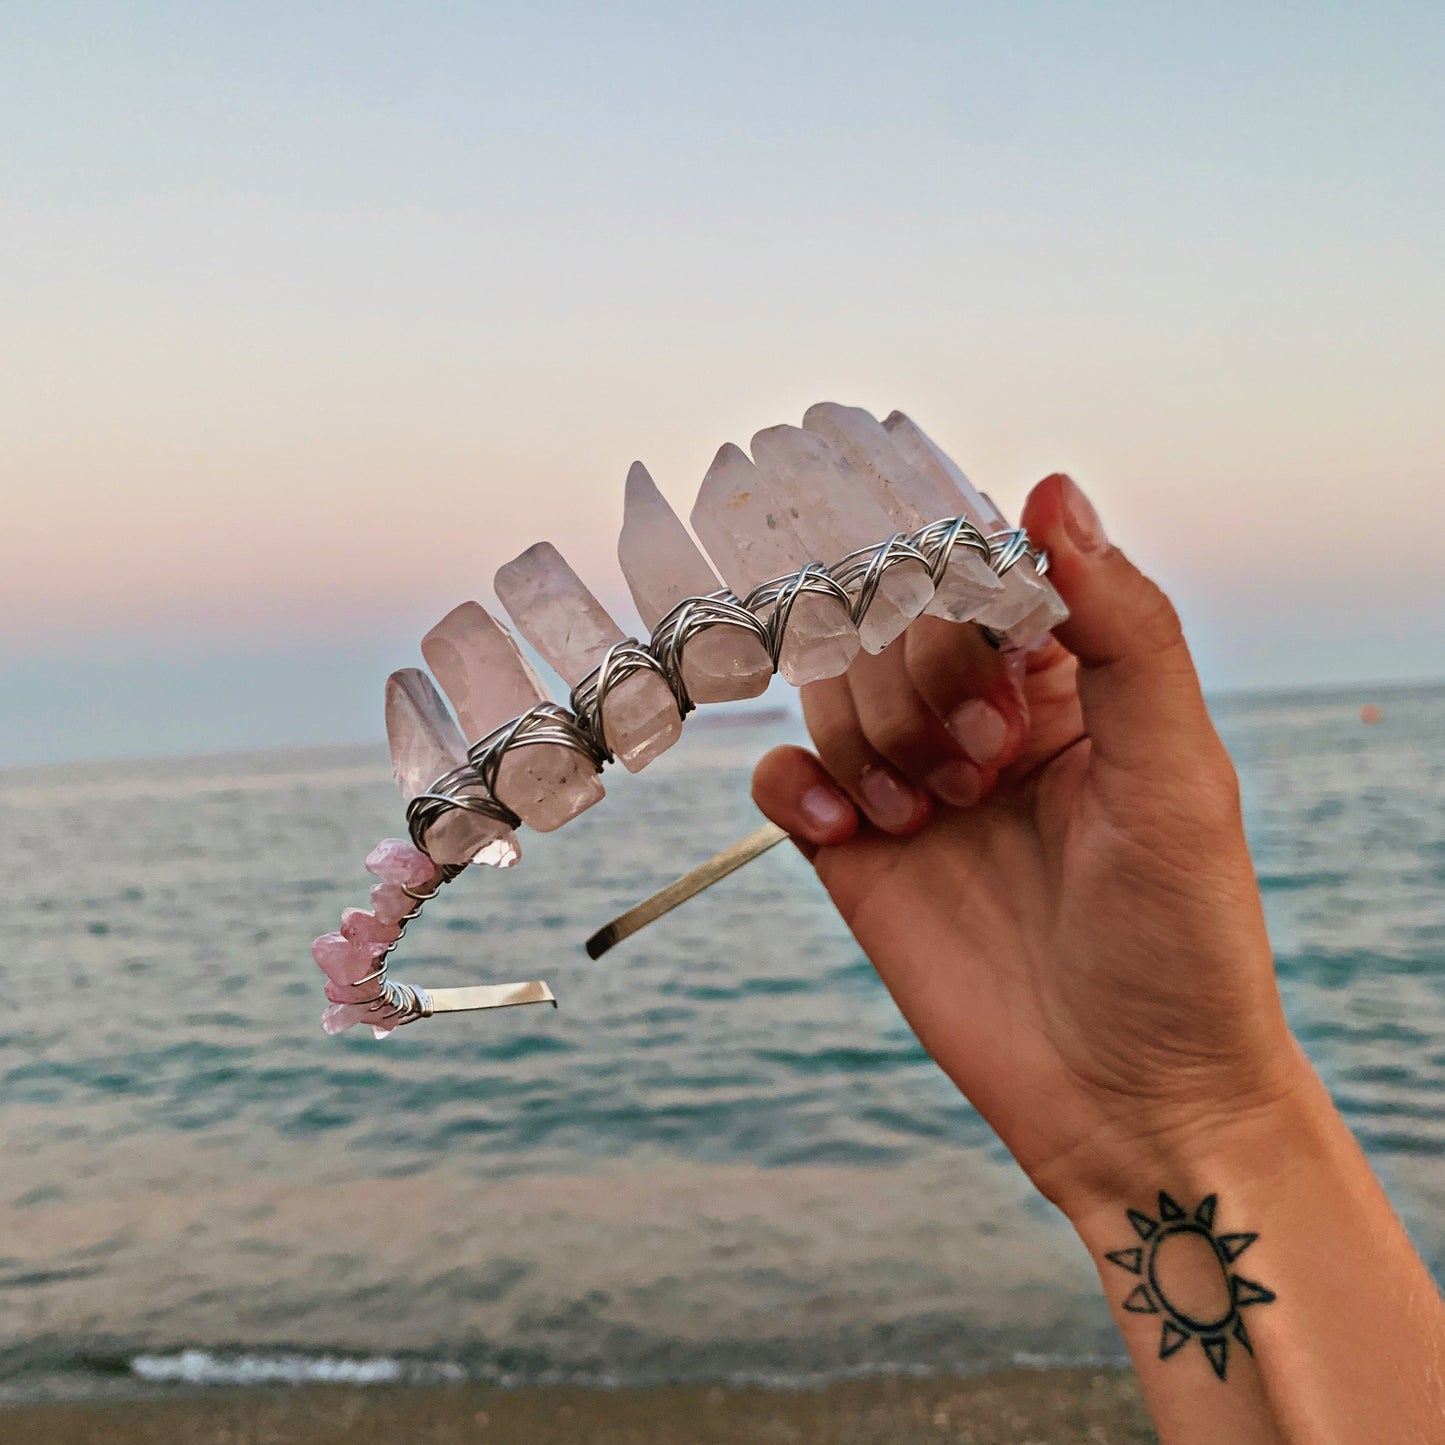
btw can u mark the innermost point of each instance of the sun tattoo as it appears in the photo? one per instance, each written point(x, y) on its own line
point(1150, 1297)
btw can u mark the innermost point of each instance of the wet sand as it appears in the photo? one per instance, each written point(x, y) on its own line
point(1016, 1407)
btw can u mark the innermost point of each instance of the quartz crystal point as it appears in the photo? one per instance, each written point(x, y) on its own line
point(912, 500)
point(426, 744)
point(482, 670)
point(834, 511)
point(559, 616)
point(664, 566)
point(1029, 606)
point(752, 541)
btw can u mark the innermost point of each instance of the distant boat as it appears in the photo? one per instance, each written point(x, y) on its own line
point(1371, 714)
point(740, 717)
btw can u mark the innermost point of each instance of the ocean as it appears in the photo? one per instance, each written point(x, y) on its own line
point(722, 1158)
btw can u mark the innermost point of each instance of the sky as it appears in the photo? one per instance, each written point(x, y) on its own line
point(312, 315)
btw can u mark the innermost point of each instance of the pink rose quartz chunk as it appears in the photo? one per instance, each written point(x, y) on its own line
point(399, 860)
point(390, 902)
point(345, 962)
point(1028, 607)
point(341, 1016)
point(559, 616)
point(663, 567)
point(912, 500)
point(751, 540)
point(482, 670)
point(834, 511)
point(426, 744)
point(362, 927)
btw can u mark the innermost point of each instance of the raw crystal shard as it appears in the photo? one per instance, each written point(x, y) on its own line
point(663, 566)
point(1027, 598)
point(555, 611)
point(425, 745)
point(345, 963)
point(390, 902)
point(399, 860)
point(912, 500)
point(482, 670)
point(360, 925)
point(752, 541)
point(341, 1016)
point(834, 511)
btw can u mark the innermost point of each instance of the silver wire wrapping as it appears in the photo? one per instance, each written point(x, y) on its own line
point(623, 660)
point(546, 723)
point(937, 541)
point(853, 583)
point(691, 616)
point(861, 573)
point(403, 1003)
point(783, 592)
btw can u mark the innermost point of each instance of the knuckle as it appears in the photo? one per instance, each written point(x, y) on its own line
point(894, 726)
point(837, 741)
point(935, 658)
point(1156, 620)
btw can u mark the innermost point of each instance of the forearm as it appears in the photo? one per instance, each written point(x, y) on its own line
point(1334, 1330)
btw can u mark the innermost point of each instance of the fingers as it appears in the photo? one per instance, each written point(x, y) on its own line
point(970, 688)
point(896, 722)
point(1141, 698)
point(890, 801)
point(794, 790)
point(934, 716)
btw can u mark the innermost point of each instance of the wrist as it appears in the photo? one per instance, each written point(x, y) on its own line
point(1233, 1141)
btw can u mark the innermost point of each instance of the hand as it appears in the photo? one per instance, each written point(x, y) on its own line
point(1044, 860)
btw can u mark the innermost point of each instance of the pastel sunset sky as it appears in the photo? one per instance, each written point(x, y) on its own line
point(312, 315)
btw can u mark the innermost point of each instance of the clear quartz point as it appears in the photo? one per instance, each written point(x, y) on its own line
point(752, 540)
point(1025, 593)
point(426, 744)
point(664, 566)
point(482, 670)
point(834, 511)
point(912, 500)
point(555, 611)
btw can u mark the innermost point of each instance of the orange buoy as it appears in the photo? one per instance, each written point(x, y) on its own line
point(1370, 713)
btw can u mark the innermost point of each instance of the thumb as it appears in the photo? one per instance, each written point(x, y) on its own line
point(1141, 699)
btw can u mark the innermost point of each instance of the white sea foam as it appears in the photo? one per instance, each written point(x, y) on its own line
point(201, 1367)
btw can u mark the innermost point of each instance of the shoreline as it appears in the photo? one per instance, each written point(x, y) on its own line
point(1010, 1407)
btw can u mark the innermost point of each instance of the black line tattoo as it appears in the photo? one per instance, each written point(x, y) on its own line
point(1149, 1298)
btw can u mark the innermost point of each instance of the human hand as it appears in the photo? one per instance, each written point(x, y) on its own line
point(1045, 861)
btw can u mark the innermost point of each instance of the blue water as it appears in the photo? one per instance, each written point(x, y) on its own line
point(723, 1156)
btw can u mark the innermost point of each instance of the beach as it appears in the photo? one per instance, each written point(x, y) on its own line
point(1018, 1407)
point(719, 1194)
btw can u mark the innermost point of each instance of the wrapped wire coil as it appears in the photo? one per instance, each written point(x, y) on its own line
point(861, 573)
point(938, 540)
point(691, 616)
point(781, 594)
point(623, 660)
point(399, 1003)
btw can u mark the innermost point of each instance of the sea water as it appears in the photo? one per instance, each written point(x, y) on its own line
point(723, 1157)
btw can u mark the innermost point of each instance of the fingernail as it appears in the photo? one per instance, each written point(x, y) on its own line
point(1081, 521)
point(957, 783)
point(981, 730)
point(891, 802)
point(823, 811)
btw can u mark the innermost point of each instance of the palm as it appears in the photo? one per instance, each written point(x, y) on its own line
point(1022, 938)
